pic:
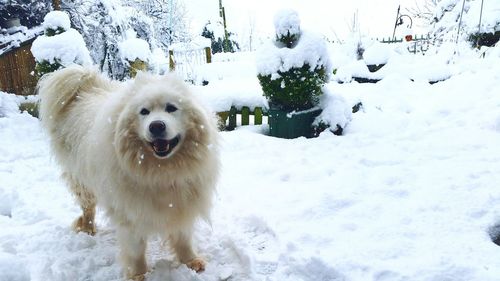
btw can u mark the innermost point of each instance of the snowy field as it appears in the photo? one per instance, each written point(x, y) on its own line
point(410, 192)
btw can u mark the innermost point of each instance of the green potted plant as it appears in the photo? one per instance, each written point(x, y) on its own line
point(292, 72)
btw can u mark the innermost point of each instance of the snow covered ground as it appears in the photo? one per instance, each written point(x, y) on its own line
point(410, 192)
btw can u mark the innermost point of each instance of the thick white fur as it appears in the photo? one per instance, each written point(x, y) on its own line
point(99, 138)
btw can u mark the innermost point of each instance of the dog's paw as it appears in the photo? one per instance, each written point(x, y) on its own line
point(197, 264)
point(138, 277)
point(79, 225)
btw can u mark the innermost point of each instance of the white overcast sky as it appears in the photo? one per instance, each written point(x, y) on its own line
point(330, 17)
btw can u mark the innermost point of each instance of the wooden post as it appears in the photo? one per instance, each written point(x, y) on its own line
point(136, 66)
point(56, 4)
point(222, 119)
point(222, 13)
point(232, 118)
point(208, 54)
point(245, 116)
point(171, 61)
point(258, 116)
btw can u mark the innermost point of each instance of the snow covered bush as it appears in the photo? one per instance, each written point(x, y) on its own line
point(336, 113)
point(377, 55)
point(215, 32)
point(60, 45)
point(293, 69)
point(135, 53)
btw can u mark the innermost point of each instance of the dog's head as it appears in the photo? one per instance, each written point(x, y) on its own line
point(162, 121)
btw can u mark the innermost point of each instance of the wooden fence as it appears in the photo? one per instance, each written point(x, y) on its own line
point(229, 119)
point(17, 70)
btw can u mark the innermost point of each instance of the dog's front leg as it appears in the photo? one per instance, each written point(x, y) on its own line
point(133, 249)
point(182, 245)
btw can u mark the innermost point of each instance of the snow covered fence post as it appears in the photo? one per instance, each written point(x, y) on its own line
point(60, 46)
point(292, 71)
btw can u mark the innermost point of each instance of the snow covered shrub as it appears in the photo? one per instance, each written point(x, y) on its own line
point(377, 55)
point(215, 32)
point(60, 45)
point(295, 89)
point(484, 39)
point(336, 113)
point(293, 70)
point(135, 53)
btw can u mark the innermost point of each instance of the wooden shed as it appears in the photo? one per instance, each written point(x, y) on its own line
point(17, 70)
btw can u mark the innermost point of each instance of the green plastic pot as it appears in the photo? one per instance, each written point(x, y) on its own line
point(290, 125)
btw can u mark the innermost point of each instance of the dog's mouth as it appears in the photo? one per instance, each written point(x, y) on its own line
point(163, 147)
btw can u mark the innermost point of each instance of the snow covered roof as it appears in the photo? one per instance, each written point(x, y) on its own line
point(16, 36)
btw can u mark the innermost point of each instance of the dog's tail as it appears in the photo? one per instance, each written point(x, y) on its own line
point(58, 90)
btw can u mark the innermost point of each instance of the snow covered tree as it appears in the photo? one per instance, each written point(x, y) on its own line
point(169, 19)
point(472, 24)
point(293, 70)
point(103, 24)
point(423, 11)
point(215, 32)
point(60, 45)
point(29, 12)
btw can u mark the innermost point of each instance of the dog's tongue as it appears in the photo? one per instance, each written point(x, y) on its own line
point(161, 145)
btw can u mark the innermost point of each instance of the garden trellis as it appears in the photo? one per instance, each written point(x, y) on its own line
point(185, 60)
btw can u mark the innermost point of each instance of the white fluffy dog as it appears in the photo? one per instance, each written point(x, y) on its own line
point(146, 151)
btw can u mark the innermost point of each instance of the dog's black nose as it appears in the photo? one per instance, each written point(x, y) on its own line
point(157, 128)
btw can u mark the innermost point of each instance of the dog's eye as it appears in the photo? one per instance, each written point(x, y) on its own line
point(144, 111)
point(170, 108)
